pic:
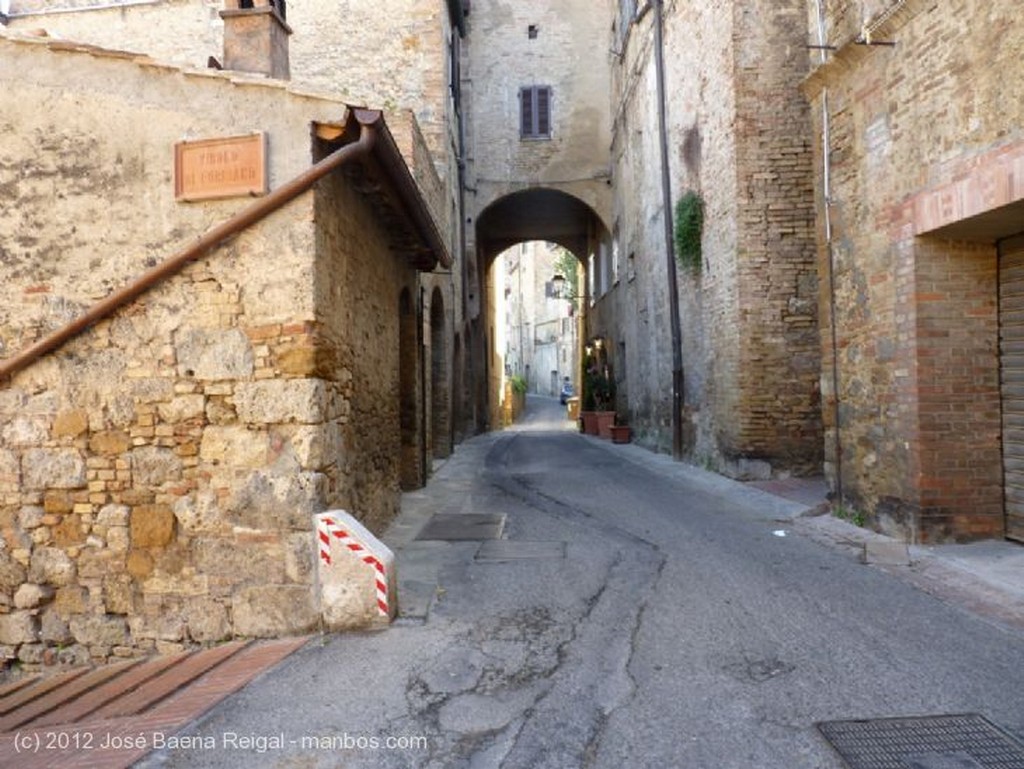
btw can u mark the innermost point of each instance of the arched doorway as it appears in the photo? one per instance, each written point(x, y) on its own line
point(561, 219)
point(440, 391)
point(410, 471)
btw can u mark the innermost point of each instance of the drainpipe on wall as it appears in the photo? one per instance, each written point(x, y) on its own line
point(670, 261)
point(826, 141)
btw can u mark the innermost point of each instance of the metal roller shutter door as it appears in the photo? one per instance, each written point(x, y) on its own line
point(1011, 351)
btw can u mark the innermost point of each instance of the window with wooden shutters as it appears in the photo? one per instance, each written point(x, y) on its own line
point(535, 112)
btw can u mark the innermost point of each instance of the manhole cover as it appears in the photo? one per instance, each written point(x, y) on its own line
point(968, 741)
point(463, 526)
point(517, 550)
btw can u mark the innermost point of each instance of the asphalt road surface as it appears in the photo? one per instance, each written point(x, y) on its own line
point(632, 620)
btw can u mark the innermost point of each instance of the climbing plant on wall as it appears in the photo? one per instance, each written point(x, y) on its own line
point(689, 227)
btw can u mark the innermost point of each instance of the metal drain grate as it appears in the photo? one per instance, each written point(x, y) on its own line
point(455, 527)
point(967, 741)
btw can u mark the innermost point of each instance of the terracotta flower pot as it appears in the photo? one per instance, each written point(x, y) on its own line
point(621, 433)
point(605, 422)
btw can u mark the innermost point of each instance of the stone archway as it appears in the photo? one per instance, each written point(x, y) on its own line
point(535, 214)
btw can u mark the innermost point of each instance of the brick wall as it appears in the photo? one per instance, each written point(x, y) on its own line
point(916, 313)
point(750, 344)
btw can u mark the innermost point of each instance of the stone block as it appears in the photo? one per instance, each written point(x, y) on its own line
point(69, 600)
point(113, 515)
point(166, 626)
point(99, 630)
point(207, 620)
point(139, 564)
point(74, 655)
point(118, 539)
point(94, 564)
point(118, 594)
point(19, 627)
point(70, 424)
point(10, 469)
point(51, 565)
point(267, 501)
point(31, 654)
point(151, 526)
point(30, 517)
point(31, 596)
point(298, 362)
point(154, 466)
point(268, 611)
point(300, 557)
point(12, 573)
point(25, 431)
point(198, 513)
point(317, 446)
point(233, 446)
point(53, 469)
point(53, 629)
point(68, 532)
point(212, 354)
point(57, 503)
point(182, 408)
point(242, 563)
point(110, 442)
point(279, 401)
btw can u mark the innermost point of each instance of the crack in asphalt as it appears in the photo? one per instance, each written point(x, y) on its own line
point(536, 666)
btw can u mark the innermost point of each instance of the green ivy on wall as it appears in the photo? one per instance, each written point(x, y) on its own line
point(689, 227)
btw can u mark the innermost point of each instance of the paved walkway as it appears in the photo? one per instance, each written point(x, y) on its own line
point(111, 716)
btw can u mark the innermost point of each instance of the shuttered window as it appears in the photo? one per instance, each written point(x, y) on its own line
point(535, 112)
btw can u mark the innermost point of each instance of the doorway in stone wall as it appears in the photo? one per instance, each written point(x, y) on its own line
point(1011, 370)
point(408, 413)
point(440, 394)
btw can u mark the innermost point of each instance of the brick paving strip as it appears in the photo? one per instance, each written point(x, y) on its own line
point(105, 718)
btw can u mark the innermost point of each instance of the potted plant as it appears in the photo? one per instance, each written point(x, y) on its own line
point(604, 398)
point(620, 433)
point(588, 414)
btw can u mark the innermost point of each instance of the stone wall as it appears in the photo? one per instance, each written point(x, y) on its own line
point(358, 289)
point(159, 472)
point(922, 137)
point(750, 345)
point(393, 55)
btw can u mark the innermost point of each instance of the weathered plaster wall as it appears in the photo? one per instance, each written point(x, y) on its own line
point(569, 54)
point(158, 473)
point(916, 314)
point(182, 32)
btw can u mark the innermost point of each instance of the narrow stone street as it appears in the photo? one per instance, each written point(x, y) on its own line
point(621, 617)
